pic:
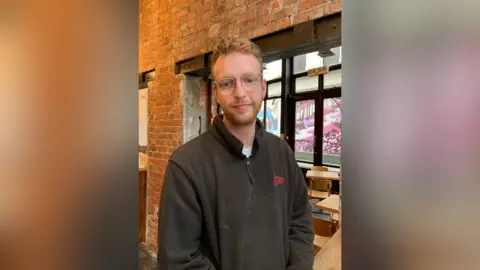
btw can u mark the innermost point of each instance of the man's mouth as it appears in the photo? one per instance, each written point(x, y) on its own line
point(241, 106)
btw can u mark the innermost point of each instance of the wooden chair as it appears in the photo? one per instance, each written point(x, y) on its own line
point(319, 169)
point(319, 189)
point(323, 228)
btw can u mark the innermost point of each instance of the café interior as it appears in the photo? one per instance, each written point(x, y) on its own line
point(303, 106)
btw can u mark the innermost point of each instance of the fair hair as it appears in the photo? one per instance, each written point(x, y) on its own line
point(237, 44)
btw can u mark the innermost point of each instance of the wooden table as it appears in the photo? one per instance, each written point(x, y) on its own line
point(330, 256)
point(330, 204)
point(322, 175)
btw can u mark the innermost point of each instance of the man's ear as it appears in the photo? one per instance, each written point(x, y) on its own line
point(264, 89)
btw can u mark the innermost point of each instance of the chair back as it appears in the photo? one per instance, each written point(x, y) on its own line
point(323, 226)
point(319, 169)
point(324, 185)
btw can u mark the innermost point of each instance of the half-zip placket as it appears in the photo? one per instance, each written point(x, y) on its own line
point(252, 180)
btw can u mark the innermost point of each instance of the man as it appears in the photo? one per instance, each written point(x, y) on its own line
point(235, 198)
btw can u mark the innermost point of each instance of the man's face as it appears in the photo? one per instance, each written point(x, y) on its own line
point(239, 87)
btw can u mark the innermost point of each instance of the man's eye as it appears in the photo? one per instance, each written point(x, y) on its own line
point(249, 80)
point(225, 84)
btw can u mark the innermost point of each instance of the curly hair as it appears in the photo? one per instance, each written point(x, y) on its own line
point(237, 44)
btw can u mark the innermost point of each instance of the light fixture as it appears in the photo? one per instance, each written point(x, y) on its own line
point(324, 54)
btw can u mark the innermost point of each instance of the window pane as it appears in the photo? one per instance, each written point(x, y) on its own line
point(332, 131)
point(305, 84)
point(274, 109)
point(304, 62)
point(261, 112)
point(332, 79)
point(273, 70)
point(274, 89)
point(334, 59)
point(304, 130)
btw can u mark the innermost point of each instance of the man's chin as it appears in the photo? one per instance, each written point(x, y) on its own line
point(240, 120)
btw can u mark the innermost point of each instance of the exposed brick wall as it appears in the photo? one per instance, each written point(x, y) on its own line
point(173, 30)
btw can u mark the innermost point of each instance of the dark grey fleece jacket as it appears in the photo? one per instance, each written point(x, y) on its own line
point(221, 210)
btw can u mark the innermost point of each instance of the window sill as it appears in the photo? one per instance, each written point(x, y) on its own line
point(309, 166)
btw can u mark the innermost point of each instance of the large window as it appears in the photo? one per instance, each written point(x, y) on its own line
point(316, 101)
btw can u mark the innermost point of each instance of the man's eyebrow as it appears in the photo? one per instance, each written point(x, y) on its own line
point(226, 77)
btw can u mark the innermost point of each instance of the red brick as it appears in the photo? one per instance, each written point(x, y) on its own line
point(273, 27)
point(334, 7)
point(153, 193)
point(285, 23)
point(153, 229)
point(276, 5)
point(176, 122)
point(266, 20)
point(155, 176)
point(261, 31)
point(152, 202)
point(156, 187)
point(279, 15)
point(307, 4)
point(300, 17)
point(157, 155)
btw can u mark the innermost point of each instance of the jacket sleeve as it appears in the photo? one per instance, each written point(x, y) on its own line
point(301, 228)
point(180, 223)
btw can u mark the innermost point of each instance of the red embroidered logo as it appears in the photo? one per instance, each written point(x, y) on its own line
point(277, 180)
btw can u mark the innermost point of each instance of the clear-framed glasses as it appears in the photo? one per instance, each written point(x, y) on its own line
point(250, 82)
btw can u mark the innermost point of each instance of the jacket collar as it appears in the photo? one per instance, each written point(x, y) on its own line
point(222, 134)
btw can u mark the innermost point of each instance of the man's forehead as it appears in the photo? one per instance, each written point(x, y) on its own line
point(235, 64)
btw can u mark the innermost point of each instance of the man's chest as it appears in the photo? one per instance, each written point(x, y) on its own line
point(242, 186)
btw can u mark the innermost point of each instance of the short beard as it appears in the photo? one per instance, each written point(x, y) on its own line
point(242, 121)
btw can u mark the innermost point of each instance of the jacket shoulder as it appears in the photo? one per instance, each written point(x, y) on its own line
point(279, 149)
point(191, 151)
point(277, 144)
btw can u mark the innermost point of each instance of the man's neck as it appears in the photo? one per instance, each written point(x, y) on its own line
point(244, 133)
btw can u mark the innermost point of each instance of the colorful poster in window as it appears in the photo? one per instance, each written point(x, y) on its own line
point(332, 130)
point(305, 130)
point(273, 116)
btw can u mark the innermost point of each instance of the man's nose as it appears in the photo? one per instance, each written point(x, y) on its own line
point(239, 89)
